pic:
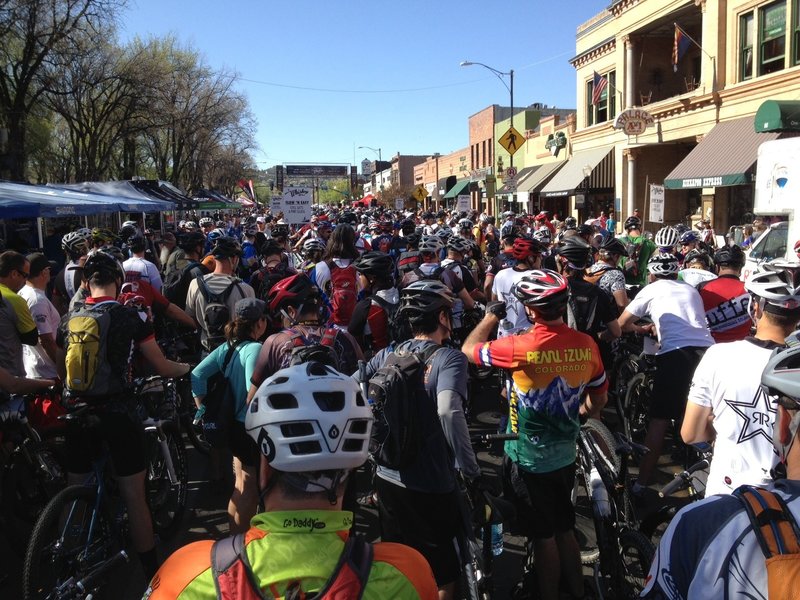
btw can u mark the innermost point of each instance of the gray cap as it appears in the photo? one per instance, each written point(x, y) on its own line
point(250, 309)
point(39, 262)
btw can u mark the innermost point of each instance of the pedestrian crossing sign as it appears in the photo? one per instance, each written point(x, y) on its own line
point(512, 140)
point(420, 193)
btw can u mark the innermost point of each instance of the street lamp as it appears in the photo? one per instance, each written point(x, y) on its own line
point(587, 172)
point(510, 88)
point(378, 152)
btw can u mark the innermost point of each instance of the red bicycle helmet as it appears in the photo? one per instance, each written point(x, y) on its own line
point(542, 289)
point(525, 247)
point(292, 291)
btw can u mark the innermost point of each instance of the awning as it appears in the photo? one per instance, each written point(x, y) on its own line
point(522, 174)
point(441, 186)
point(725, 156)
point(540, 177)
point(778, 115)
point(461, 187)
point(571, 177)
point(130, 198)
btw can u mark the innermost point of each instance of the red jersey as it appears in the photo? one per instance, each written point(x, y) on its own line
point(726, 304)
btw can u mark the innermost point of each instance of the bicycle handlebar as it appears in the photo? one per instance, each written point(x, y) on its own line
point(485, 438)
point(682, 479)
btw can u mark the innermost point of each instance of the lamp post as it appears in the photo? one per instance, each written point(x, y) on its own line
point(378, 152)
point(587, 173)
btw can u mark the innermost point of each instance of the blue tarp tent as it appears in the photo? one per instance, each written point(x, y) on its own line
point(19, 201)
point(124, 193)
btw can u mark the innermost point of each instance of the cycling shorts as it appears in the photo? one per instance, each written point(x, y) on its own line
point(671, 382)
point(426, 522)
point(121, 432)
point(543, 500)
point(242, 446)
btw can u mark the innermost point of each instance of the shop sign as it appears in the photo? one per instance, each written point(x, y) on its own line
point(701, 182)
point(462, 202)
point(634, 121)
point(297, 205)
point(656, 203)
point(479, 174)
point(555, 142)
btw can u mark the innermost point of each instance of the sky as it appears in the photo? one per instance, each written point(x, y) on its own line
point(323, 77)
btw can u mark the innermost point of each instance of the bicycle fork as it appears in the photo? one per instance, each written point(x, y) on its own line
point(155, 428)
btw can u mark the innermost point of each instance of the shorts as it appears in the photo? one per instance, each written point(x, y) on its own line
point(242, 446)
point(426, 522)
point(543, 500)
point(122, 433)
point(671, 382)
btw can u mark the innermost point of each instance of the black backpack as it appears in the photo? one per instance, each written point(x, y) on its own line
point(396, 393)
point(582, 311)
point(303, 351)
point(176, 286)
point(399, 328)
point(216, 313)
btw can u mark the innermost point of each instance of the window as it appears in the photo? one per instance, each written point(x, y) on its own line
point(606, 108)
point(772, 45)
point(772, 245)
point(796, 36)
point(746, 46)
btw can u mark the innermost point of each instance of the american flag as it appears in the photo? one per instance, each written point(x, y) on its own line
point(679, 46)
point(598, 87)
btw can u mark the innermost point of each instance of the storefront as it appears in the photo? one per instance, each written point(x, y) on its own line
point(586, 183)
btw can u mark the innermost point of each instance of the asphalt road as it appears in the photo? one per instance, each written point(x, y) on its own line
point(206, 516)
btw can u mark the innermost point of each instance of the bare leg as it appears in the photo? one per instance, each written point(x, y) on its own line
point(244, 500)
point(132, 490)
point(654, 440)
point(570, 554)
point(447, 591)
point(548, 567)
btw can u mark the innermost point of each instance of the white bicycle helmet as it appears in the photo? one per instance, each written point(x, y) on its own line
point(666, 237)
point(466, 224)
point(543, 235)
point(310, 418)
point(313, 245)
point(431, 243)
point(663, 264)
point(205, 221)
point(778, 282)
point(76, 243)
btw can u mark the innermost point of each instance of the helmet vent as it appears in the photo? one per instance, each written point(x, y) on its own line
point(359, 427)
point(310, 447)
point(282, 401)
point(329, 401)
point(292, 430)
point(353, 445)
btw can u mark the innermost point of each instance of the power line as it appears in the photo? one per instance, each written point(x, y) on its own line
point(394, 91)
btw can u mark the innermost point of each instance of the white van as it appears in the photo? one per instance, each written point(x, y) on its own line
point(777, 195)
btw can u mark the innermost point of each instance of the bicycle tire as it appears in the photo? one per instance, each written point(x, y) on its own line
point(605, 440)
point(635, 557)
point(167, 499)
point(637, 403)
point(63, 520)
point(584, 518)
point(654, 526)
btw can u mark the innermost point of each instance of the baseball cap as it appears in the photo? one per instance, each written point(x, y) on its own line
point(260, 220)
point(168, 237)
point(39, 262)
point(250, 309)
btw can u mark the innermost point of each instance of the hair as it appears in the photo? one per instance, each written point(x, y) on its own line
point(426, 322)
point(547, 314)
point(280, 481)
point(11, 260)
point(240, 329)
point(102, 278)
point(667, 276)
point(138, 244)
point(787, 319)
point(342, 243)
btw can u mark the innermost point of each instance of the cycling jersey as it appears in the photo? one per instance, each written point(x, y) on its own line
point(743, 414)
point(38, 363)
point(138, 268)
point(552, 367)
point(291, 547)
point(695, 277)
point(726, 303)
point(15, 321)
point(516, 318)
point(709, 551)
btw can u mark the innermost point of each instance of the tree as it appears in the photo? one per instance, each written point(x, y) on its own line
point(33, 33)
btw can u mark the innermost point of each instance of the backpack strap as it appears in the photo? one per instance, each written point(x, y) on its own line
point(233, 575)
point(773, 524)
point(329, 337)
point(208, 295)
point(297, 339)
point(352, 570)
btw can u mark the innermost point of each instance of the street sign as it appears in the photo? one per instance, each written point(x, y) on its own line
point(297, 205)
point(420, 193)
point(512, 140)
point(462, 202)
point(510, 184)
point(511, 172)
point(399, 204)
point(316, 171)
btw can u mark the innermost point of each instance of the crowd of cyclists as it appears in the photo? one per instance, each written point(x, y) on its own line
point(303, 322)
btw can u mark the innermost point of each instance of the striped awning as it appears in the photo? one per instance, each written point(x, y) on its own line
point(725, 156)
point(569, 179)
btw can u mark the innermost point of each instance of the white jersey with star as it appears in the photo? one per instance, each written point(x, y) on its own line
point(728, 381)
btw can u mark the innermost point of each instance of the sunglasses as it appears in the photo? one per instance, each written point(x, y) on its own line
point(23, 273)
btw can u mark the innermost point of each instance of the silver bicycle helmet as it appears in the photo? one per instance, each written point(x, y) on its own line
point(777, 283)
point(666, 237)
point(76, 243)
point(663, 264)
point(430, 243)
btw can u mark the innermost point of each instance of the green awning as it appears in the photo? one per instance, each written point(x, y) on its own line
point(725, 156)
point(778, 115)
point(461, 187)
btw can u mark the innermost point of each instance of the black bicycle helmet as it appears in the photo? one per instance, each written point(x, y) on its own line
point(376, 264)
point(426, 296)
point(729, 256)
point(458, 244)
point(226, 247)
point(407, 226)
point(190, 241)
point(137, 243)
point(542, 289)
point(700, 256)
point(632, 223)
point(576, 251)
point(127, 232)
point(280, 230)
point(103, 263)
point(613, 246)
point(412, 240)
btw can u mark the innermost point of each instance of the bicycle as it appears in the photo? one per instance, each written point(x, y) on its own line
point(475, 539)
point(623, 554)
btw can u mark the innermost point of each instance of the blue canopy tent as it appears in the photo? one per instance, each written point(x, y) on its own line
point(124, 193)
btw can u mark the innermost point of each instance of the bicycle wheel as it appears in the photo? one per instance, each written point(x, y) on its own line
point(637, 404)
point(70, 540)
point(166, 491)
point(584, 518)
point(604, 440)
point(635, 557)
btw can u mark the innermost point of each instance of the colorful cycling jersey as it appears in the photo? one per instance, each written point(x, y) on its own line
point(552, 367)
point(290, 547)
point(726, 303)
point(709, 551)
point(15, 320)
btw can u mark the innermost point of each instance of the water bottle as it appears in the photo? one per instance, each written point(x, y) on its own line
point(599, 493)
point(497, 539)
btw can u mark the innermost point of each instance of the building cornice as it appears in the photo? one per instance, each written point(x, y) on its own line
point(620, 7)
point(594, 53)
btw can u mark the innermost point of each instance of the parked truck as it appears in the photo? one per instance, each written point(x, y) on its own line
point(777, 198)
